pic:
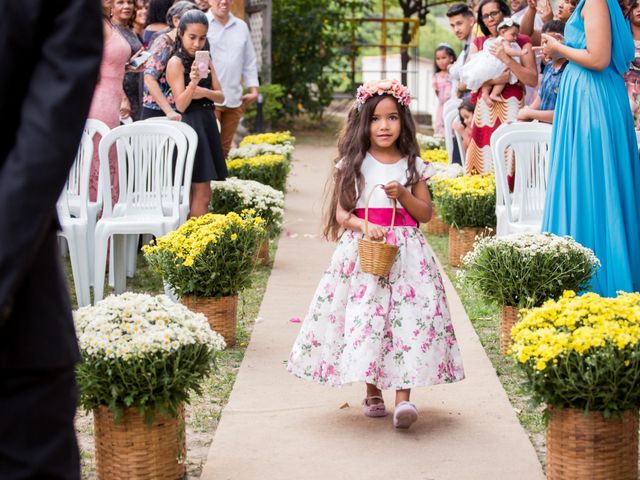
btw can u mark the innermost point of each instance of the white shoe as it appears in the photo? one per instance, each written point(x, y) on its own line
point(404, 415)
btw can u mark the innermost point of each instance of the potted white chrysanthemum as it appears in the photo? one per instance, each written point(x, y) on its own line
point(524, 270)
point(142, 356)
point(255, 149)
point(236, 195)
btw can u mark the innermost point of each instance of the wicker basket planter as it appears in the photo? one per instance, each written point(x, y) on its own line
point(132, 450)
point(263, 252)
point(461, 242)
point(436, 226)
point(221, 312)
point(508, 319)
point(591, 447)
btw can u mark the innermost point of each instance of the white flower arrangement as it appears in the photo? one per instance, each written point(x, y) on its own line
point(428, 142)
point(254, 150)
point(524, 270)
point(447, 170)
point(133, 324)
point(235, 195)
point(142, 352)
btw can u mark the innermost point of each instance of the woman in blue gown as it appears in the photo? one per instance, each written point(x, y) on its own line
point(593, 189)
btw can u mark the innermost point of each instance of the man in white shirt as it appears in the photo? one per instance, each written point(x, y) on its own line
point(461, 20)
point(234, 60)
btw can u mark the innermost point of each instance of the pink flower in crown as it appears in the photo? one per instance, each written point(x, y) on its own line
point(381, 87)
point(371, 88)
point(384, 85)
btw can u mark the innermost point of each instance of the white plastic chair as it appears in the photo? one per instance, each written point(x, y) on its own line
point(192, 141)
point(92, 128)
point(146, 163)
point(192, 145)
point(463, 153)
point(75, 225)
point(449, 114)
point(529, 143)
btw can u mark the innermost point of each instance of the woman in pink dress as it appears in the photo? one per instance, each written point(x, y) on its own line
point(108, 96)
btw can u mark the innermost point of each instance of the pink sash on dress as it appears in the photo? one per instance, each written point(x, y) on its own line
point(382, 217)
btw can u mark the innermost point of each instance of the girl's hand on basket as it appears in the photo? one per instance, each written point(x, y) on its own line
point(395, 191)
point(376, 232)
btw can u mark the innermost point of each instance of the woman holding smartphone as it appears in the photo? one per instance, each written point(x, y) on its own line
point(195, 88)
point(593, 189)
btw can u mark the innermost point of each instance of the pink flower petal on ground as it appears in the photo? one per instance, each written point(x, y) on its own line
point(295, 320)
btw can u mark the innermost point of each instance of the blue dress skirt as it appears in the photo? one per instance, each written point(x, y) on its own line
point(593, 189)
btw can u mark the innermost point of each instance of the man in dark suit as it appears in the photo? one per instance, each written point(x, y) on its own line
point(50, 53)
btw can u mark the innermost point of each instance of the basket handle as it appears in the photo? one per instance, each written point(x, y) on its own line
point(366, 212)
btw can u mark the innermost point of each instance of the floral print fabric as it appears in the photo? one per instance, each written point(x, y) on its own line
point(394, 332)
point(162, 49)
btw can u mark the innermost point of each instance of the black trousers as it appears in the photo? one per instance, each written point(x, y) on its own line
point(37, 434)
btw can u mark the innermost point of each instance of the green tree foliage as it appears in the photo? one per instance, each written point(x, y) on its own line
point(306, 50)
point(272, 108)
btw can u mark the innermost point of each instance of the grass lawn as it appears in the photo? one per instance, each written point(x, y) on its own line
point(486, 321)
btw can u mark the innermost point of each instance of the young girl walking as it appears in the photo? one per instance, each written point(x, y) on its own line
point(444, 57)
point(390, 332)
point(195, 88)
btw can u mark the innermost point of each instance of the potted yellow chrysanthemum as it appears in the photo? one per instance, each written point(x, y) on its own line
point(581, 355)
point(467, 204)
point(208, 261)
point(436, 226)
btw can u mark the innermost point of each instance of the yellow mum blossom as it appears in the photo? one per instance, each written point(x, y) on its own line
point(261, 160)
point(579, 324)
point(438, 155)
point(467, 185)
point(271, 138)
point(197, 234)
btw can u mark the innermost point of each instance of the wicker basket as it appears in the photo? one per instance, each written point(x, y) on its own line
point(132, 450)
point(221, 312)
point(591, 447)
point(461, 242)
point(376, 256)
point(262, 257)
point(508, 319)
point(436, 226)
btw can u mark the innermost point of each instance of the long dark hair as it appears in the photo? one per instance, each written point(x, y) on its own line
point(629, 7)
point(353, 144)
point(469, 107)
point(188, 18)
point(157, 11)
point(502, 5)
point(443, 48)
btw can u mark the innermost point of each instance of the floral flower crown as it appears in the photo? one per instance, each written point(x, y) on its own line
point(382, 87)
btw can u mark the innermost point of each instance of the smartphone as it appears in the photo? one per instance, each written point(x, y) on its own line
point(202, 58)
point(140, 59)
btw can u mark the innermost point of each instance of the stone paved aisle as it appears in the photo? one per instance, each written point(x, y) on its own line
point(278, 427)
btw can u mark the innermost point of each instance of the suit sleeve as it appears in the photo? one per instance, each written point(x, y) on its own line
point(51, 117)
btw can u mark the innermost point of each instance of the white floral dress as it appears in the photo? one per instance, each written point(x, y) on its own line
point(394, 332)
